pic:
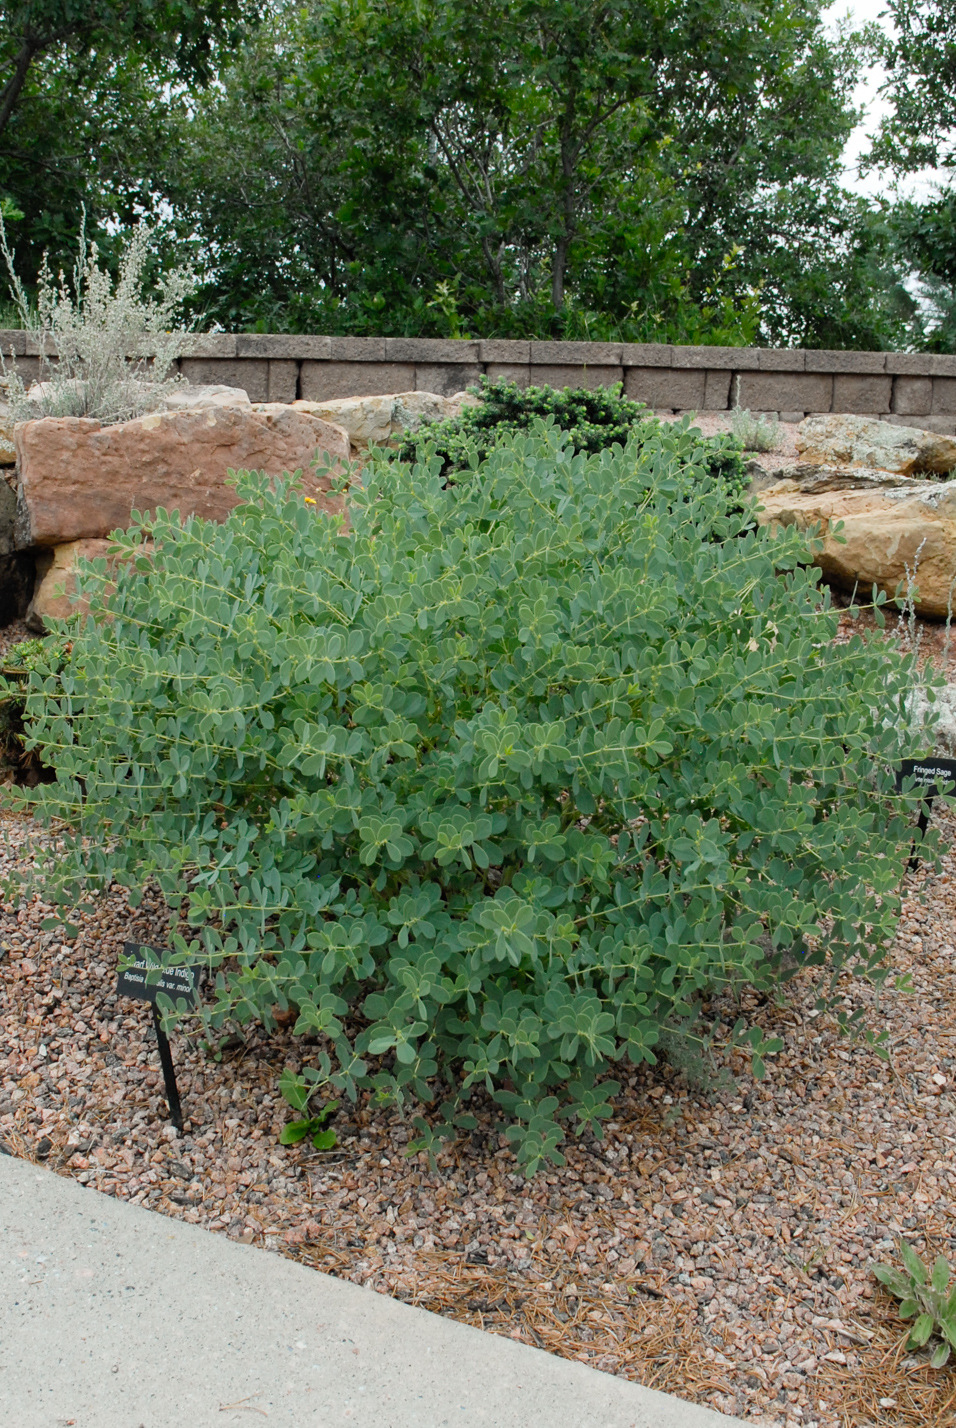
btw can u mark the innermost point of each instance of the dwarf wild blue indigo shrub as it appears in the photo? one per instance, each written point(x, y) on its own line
point(491, 786)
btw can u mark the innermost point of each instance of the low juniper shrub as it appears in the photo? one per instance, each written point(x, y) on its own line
point(493, 784)
point(592, 420)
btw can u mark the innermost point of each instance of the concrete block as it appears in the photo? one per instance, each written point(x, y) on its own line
point(646, 354)
point(785, 391)
point(357, 349)
point(946, 426)
point(500, 349)
point(249, 373)
point(717, 391)
point(509, 372)
point(13, 342)
point(430, 349)
point(944, 395)
point(942, 364)
point(292, 345)
point(28, 369)
point(585, 354)
point(781, 359)
point(210, 344)
point(320, 381)
point(667, 388)
point(445, 378)
point(864, 362)
point(861, 395)
point(35, 345)
point(910, 364)
point(792, 418)
point(562, 376)
point(912, 396)
point(710, 358)
point(283, 380)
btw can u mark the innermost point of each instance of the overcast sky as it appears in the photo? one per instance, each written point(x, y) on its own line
point(919, 185)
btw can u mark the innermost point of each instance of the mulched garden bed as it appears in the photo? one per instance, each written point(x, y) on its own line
point(715, 1245)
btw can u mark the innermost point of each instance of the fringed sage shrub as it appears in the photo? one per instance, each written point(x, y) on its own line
point(493, 785)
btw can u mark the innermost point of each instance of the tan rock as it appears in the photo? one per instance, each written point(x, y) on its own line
point(862, 441)
point(891, 535)
point(379, 420)
point(79, 480)
point(186, 398)
point(8, 452)
point(56, 581)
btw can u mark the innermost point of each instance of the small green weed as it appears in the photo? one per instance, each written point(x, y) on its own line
point(930, 1298)
point(298, 1091)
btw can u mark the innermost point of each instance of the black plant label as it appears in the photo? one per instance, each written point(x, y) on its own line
point(143, 980)
point(933, 776)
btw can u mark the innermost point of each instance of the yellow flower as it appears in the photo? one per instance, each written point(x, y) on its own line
point(308, 500)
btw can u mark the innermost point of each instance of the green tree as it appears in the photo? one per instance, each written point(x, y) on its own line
point(575, 167)
point(920, 132)
point(85, 86)
point(179, 28)
point(920, 60)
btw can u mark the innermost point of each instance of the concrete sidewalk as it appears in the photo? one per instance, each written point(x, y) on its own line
point(112, 1316)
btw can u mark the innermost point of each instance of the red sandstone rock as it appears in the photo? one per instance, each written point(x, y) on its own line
point(79, 480)
point(56, 581)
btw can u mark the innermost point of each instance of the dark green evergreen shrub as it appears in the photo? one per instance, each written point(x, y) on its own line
point(593, 421)
point(491, 787)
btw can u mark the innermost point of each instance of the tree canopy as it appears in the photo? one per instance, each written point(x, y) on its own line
point(666, 170)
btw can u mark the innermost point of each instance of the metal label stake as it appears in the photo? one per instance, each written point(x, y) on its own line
point(143, 978)
point(169, 1073)
point(934, 778)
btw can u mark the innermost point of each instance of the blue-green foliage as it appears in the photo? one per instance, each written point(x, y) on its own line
point(492, 785)
point(592, 420)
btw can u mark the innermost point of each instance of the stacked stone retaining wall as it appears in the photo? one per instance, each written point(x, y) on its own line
point(912, 389)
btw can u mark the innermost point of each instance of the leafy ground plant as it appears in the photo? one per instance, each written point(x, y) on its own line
point(592, 420)
point(105, 348)
point(491, 785)
point(299, 1091)
point(928, 1298)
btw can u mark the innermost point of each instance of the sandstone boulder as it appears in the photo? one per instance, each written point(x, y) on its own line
point(8, 451)
point(16, 567)
point(934, 722)
point(187, 398)
point(892, 533)
point(56, 581)
point(79, 480)
point(379, 420)
point(863, 441)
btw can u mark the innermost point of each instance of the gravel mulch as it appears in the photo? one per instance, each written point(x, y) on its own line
point(715, 1245)
point(784, 453)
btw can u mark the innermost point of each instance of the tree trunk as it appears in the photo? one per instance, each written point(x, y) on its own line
point(14, 86)
point(558, 267)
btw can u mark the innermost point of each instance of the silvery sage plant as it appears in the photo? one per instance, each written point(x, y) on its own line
point(106, 349)
point(492, 783)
